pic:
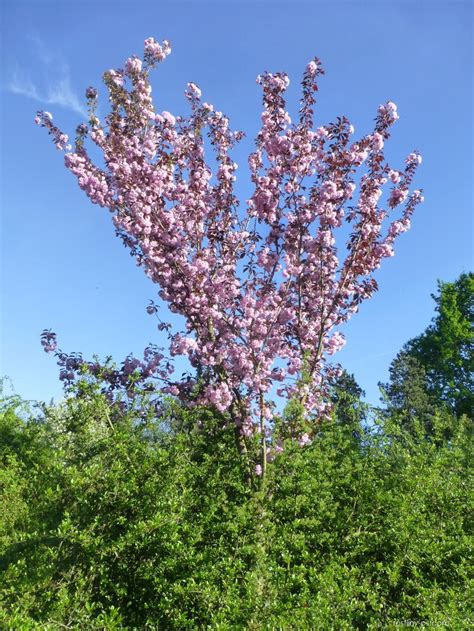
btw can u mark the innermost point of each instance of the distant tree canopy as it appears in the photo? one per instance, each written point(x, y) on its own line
point(436, 367)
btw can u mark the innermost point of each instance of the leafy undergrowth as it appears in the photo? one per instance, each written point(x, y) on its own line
point(112, 523)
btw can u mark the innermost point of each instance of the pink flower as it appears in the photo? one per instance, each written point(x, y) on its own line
point(194, 90)
point(133, 66)
point(311, 68)
point(169, 118)
point(397, 196)
point(116, 77)
point(414, 158)
point(384, 249)
point(394, 176)
point(417, 197)
point(335, 343)
point(156, 52)
point(377, 142)
point(389, 111)
point(304, 440)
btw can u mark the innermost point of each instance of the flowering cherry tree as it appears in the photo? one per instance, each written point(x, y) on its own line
point(261, 286)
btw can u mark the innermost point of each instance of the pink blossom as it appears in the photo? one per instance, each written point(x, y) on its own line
point(397, 196)
point(418, 197)
point(261, 288)
point(116, 77)
point(394, 176)
point(194, 90)
point(311, 68)
point(169, 118)
point(377, 141)
point(133, 66)
point(384, 249)
point(335, 343)
point(304, 440)
point(413, 158)
point(389, 112)
point(156, 52)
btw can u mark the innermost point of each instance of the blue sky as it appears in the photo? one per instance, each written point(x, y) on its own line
point(63, 268)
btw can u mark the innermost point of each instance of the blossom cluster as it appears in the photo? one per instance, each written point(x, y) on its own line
point(122, 385)
point(45, 119)
point(263, 289)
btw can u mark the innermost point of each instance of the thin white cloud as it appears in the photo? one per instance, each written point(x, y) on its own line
point(41, 51)
point(23, 85)
point(62, 93)
point(56, 90)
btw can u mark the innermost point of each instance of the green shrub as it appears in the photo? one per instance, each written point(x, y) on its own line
point(113, 522)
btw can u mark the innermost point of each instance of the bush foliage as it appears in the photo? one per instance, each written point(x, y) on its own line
point(111, 521)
